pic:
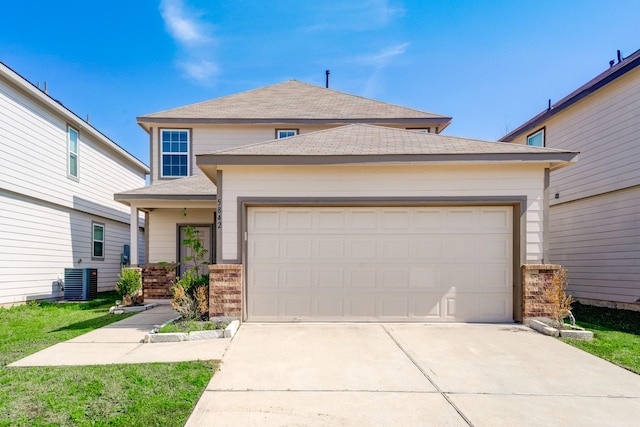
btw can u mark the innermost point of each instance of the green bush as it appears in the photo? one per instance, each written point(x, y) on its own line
point(129, 284)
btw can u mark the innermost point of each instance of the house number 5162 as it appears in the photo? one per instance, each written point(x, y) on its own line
point(219, 214)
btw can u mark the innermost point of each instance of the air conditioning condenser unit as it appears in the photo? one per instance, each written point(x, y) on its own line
point(80, 284)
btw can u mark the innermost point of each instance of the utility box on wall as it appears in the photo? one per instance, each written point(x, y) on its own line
point(80, 284)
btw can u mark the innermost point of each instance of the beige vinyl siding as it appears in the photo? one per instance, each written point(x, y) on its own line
point(207, 139)
point(162, 229)
point(598, 241)
point(33, 158)
point(385, 181)
point(45, 216)
point(38, 240)
point(604, 128)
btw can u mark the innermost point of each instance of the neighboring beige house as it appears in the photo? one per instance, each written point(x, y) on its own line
point(594, 224)
point(58, 175)
point(352, 209)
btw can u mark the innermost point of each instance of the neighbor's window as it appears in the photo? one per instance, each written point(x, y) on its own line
point(175, 152)
point(73, 152)
point(536, 139)
point(285, 133)
point(97, 237)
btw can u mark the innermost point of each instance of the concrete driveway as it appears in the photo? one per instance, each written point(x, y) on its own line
point(418, 374)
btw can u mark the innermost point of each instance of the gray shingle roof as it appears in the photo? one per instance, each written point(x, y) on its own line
point(293, 100)
point(362, 139)
point(192, 187)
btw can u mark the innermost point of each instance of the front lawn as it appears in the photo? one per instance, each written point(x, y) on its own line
point(157, 394)
point(616, 334)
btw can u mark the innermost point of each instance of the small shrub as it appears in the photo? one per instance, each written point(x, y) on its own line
point(129, 285)
point(556, 294)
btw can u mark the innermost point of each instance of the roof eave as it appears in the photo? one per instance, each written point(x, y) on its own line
point(208, 160)
point(443, 121)
point(44, 99)
point(573, 97)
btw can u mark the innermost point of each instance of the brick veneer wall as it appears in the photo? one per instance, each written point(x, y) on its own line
point(225, 290)
point(157, 281)
point(535, 278)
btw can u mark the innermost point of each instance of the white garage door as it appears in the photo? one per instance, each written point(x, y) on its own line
point(380, 264)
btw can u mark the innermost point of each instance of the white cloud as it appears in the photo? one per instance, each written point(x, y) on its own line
point(193, 35)
point(200, 70)
point(384, 57)
point(378, 62)
point(382, 12)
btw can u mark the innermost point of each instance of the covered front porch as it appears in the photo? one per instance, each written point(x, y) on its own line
point(169, 207)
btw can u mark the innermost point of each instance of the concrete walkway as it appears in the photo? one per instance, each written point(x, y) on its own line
point(413, 375)
point(121, 342)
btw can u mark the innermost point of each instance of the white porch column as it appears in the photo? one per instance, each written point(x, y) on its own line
point(133, 233)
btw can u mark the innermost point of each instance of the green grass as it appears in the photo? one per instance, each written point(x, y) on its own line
point(28, 328)
point(191, 326)
point(157, 394)
point(616, 334)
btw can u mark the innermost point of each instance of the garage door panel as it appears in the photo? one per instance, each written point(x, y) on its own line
point(297, 248)
point(328, 308)
point(363, 248)
point(494, 248)
point(395, 249)
point(426, 248)
point(394, 277)
point(264, 248)
point(425, 277)
point(295, 306)
point(361, 307)
point(395, 220)
point(394, 307)
point(495, 220)
point(362, 277)
point(429, 219)
point(328, 248)
point(297, 220)
point(363, 220)
point(327, 277)
point(266, 220)
point(296, 278)
point(364, 264)
point(331, 220)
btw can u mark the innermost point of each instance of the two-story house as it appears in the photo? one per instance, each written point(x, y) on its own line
point(58, 175)
point(330, 206)
point(594, 222)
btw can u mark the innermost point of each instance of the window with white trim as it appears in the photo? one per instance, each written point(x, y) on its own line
point(421, 130)
point(536, 139)
point(72, 145)
point(97, 240)
point(174, 146)
point(285, 133)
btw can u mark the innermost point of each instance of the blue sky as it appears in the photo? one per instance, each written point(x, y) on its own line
point(491, 65)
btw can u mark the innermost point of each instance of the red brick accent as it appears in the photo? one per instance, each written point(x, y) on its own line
point(157, 281)
point(535, 279)
point(225, 290)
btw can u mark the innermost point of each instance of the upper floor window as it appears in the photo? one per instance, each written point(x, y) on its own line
point(72, 136)
point(97, 238)
point(536, 139)
point(285, 133)
point(175, 152)
point(421, 130)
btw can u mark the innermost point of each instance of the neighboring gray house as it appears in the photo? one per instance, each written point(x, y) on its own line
point(58, 175)
point(594, 224)
point(331, 207)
